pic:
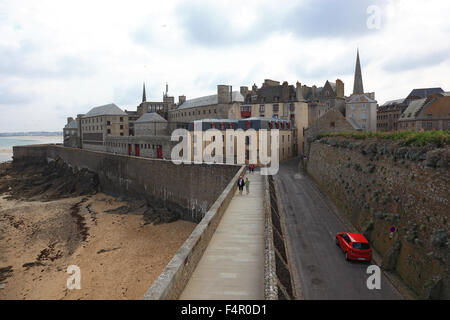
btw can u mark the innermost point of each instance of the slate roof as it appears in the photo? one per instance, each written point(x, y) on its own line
point(216, 120)
point(423, 93)
point(208, 101)
point(413, 107)
point(106, 110)
point(71, 125)
point(392, 102)
point(150, 117)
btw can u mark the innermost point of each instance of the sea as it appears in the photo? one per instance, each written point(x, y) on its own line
point(7, 143)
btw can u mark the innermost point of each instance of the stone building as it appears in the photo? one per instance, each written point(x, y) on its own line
point(70, 133)
point(431, 113)
point(331, 95)
point(132, 117)
point(423, 93)
point(100, 122)
point(278, 101)
point(361, 108)
point(389, 113)
point(157, 147)
point(286, 140)
point(223, 105)
point(160, 107)
point(151, 124)
point(332, 121)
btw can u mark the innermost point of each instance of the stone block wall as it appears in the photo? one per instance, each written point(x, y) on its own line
point(192, 187)
point(383, 184)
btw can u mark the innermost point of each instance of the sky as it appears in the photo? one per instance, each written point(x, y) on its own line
point(62, 58)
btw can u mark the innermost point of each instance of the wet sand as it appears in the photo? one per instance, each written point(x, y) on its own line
point(119, 255)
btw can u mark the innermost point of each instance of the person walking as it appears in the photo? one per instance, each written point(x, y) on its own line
point(241, 184)
point(247, 185)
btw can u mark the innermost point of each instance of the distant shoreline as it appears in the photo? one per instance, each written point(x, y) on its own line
point(32, 137)
point(6, 150)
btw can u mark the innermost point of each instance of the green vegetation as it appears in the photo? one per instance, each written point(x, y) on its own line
point(418, 138)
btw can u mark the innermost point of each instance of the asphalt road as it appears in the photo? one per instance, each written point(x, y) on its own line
point(312, 225)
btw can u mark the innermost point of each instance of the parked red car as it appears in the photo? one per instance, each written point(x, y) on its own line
point(355, 246)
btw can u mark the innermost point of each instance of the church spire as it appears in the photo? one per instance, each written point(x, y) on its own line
point(358, 83)
point(144, 97)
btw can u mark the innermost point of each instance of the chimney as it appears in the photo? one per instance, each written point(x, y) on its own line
point(299, 92)
point(339, 88)
point(244, 91)
point(285, 92)
point(314, 91)
point(181, 100)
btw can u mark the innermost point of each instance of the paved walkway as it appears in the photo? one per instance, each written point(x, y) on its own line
point(232, 267)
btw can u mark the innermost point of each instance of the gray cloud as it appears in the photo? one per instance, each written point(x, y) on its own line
point(19, 62)
point(331, 18)
point(413, 61)
point(210, 25)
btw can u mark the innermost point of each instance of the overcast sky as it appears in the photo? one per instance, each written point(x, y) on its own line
point(60, 58)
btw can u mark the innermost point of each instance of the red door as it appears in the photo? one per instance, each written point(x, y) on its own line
point(129, 149)
point(159, 152)
point(136, 148)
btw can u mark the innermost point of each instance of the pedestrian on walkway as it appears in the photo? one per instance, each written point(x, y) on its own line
point(247, 185)
point(241, 184)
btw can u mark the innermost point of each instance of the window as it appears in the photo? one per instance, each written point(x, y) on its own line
point(262, 108)
point(285, 110)
point(361, 246)
point(121, 127)
point(363, 116)
point(121, 119)
point(346, 238)
point(275, 108)
point(332, 125)
point(109, 131)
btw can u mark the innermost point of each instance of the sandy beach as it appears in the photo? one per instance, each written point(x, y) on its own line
point(5, 150)
point(119, 255)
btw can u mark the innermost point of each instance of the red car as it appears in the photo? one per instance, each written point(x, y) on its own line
point(355, 246)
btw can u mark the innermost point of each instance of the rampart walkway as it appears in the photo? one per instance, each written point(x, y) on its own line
point(232, 267)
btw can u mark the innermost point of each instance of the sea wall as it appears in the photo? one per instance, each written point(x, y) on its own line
point(192, 187)
point(172, 281)
point(383, 184)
